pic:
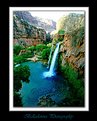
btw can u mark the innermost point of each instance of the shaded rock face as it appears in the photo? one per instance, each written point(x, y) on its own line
point(75, 56)
point(26, 34)
point(72, 47)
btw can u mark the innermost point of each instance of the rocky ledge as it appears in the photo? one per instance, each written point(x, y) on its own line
point(34, 59)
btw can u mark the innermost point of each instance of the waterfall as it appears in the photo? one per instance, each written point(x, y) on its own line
point(51, 71)
point(50, 56)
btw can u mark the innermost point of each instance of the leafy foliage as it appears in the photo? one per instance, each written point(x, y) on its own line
point(72, 76)
point(17, 49)
point(61, 32)
point(45, 53)
point(60, 38)
point(27, 55)
point(19, 59)
point(22, 58)
point(20, 73)
point(17, 99)
point(49, 45)
point(32, 48)
point(76, 96)
point(40, 47)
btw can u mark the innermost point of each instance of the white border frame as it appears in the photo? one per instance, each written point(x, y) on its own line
point(86, 9)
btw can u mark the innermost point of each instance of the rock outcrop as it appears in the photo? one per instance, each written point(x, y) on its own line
point(34, 59)
point(25, 33)
point(75, 56)
point(70, 22)
point(72, 47)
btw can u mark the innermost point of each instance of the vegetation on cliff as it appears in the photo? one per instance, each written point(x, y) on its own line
point(78, 36)
point(71, 33)
point(33, 43)
point(75, 96)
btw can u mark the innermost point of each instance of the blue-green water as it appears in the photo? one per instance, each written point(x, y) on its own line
point(40, 86)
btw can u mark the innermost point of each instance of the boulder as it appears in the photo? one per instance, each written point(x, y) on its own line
point(34, 59)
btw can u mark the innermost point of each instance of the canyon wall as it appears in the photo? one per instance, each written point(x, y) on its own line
point(25, 34)
point(71, 34)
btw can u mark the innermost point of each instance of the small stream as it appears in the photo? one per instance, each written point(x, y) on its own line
point(39, 86)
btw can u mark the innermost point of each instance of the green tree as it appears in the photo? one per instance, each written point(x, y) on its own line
point(32, 48)
point(40, 47)
point(22, 58)
point(17, 49)
point(19, 59)
point(20, 73)
point(76, 97)
point(17, 99)
point(45, 53)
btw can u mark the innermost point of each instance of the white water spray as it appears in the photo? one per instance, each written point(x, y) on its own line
point(51, 71)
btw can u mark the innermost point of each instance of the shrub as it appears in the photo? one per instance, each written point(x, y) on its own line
point(55, 41)
point(19, 59)
point(61, 32)
point(60, 39)
point(76, 85)
point(72, 76)
point(20, 73)
point(45, 53)
point(17, 99)
point(49, 45)
point(17, 82)
point(40, 47)
point(27, 55)
point(32, 48)
point(17, 49)
point(22, 58)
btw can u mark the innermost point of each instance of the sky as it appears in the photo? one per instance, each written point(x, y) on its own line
point(51, 15)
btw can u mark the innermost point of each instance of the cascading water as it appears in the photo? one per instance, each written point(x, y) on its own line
point(50, 56)
point(51, 71)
